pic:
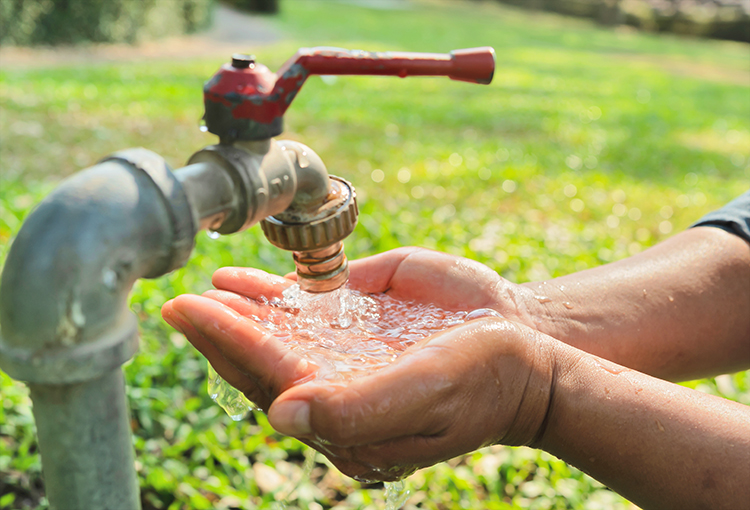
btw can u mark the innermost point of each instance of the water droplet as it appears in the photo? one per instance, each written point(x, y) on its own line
point(567, 305)
point(481, 313)
point(212, 234)
point(302, 159)
point(109, 278)
point(396, 494)
point(543, 299)
point(610, 367)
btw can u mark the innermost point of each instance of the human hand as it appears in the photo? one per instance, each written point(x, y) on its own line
point(479, 383)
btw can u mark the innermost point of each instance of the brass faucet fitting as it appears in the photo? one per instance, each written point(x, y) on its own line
point(322, 270)
point(315, 236)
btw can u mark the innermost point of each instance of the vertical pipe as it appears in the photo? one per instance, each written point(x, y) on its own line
point(84, 436)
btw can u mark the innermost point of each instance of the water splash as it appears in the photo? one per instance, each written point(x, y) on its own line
point(229, 398)
point(396, 494)
point(345, 332)
point(348, 333)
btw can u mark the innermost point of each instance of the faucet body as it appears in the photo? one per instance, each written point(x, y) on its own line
point(66, 327)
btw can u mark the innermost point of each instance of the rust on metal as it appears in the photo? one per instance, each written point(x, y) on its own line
point(244, 100)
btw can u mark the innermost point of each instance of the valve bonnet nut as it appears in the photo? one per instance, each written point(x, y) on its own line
point(299, 235)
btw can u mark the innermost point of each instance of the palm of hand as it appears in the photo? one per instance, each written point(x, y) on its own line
point(371, 427)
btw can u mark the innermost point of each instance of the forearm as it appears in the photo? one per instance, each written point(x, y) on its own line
point(679, 310)
point(658, 444)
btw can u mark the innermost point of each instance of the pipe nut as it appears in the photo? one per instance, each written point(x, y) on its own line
point(308, 231)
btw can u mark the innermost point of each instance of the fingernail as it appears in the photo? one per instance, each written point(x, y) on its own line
point(291, 418)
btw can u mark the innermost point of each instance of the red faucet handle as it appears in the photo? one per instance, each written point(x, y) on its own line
point(246, 101)
point(474, 64)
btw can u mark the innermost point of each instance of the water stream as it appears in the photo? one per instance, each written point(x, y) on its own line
point(347, 334)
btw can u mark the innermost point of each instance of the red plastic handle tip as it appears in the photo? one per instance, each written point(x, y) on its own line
point(476, 65)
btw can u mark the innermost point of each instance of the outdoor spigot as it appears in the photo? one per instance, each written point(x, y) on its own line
point(244, 100)
point(244, 105)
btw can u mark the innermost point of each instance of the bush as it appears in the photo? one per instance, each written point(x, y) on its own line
point(720, 19)
point(266, 6)
point(40, 22)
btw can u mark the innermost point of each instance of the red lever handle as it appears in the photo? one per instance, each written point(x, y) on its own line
point(474, 65)
point(246, 101)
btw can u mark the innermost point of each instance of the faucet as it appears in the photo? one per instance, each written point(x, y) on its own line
point(65, 328)
point(308, 212)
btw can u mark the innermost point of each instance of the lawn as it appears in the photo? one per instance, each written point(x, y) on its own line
point(590, 145)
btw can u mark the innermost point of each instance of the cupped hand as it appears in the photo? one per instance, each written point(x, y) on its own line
point(483, 382)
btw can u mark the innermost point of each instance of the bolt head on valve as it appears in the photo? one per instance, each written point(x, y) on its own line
point(242, 61)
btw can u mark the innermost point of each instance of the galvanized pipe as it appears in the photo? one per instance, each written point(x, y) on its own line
point(84, 436)
point(66, 328)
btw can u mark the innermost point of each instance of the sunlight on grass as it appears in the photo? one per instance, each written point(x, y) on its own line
point(589, 146)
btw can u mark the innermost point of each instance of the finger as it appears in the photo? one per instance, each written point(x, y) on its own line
point(223, 367)
point(241, 304)
point(374, 273)
point(421, 394)
point(452, 282)
point(250, 282)
point(370, 409)
point(246, 345)
point(360, 470)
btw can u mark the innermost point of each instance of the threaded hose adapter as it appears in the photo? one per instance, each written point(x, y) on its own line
point(315, 236)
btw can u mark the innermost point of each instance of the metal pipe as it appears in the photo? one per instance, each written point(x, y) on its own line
point(66, 329)
point(211, 193)
point(84, 435)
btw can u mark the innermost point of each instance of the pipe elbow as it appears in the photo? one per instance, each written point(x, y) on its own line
point(313, 182)
point(63, 295)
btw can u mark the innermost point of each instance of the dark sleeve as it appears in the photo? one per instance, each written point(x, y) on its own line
point(733, 217)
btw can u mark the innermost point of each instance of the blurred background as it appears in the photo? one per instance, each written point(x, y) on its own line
point(609, 126)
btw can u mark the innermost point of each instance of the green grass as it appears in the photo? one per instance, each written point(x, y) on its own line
point(589, 145)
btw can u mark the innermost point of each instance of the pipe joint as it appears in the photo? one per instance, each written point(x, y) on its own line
point(175, 200)
point(263, 181)
point(74, 364)
point(63, 294)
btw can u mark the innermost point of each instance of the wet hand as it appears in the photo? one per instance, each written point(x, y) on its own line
point(241, 351)
point(484, 382)
point(480, 383)
point(448, 281)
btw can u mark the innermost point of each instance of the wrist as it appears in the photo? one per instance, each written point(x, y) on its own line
point(543, 307)
point(539, 353)
point(564, 374)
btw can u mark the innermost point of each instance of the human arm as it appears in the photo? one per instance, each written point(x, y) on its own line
point(491, 381)
point(679, 310)
point(660, 445)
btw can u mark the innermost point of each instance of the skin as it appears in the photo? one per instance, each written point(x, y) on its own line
point(552, 374)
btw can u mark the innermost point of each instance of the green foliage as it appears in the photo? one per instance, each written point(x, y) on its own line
point(75, 21)
point(590, 145)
